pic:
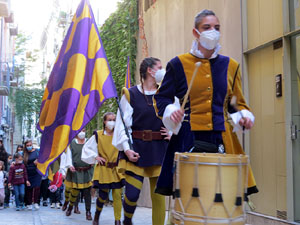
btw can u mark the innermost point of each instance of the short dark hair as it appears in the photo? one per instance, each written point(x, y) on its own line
point(204, 13)
point(17, 155)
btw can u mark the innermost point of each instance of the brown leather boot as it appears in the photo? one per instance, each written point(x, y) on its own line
point(128, 223)
point(96, 218)
point(117, 222)
point(65, 206)
point(69, 210)
point(88, 215)
point(76, 209)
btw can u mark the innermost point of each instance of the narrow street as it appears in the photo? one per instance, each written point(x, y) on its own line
point(49, 216)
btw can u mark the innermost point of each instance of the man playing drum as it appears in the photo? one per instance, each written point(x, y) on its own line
point(202, 123)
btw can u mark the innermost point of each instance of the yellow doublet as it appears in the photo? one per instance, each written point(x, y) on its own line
point(151, 171)
point(201, 95)
point(103, 174)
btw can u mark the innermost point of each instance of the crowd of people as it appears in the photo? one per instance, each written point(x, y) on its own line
point(117, 158)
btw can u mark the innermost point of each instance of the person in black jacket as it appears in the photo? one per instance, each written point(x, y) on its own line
point(3, 155)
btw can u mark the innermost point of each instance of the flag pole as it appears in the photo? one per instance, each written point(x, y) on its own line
point(126, 129)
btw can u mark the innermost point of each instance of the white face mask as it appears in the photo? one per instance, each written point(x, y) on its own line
point(110, 125)
point(159, 75)
point(209, 38)
point(81, 135)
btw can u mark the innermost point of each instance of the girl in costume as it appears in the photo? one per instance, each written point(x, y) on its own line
point(100, 151)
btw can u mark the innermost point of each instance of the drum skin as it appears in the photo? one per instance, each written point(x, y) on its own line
point(209, 174)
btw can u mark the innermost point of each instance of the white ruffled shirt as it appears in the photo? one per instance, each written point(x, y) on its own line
point(196, 52)
point(66, 160)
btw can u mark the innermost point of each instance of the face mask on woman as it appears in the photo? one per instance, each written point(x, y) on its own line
point(81, 135)
point(209, 38)
point(159, 75)
point(110, 125)
point(29, 148)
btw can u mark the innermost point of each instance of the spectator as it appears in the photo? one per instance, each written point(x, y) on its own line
point(3, 177)
point(30, 161)
point(3, 154)
point(17, 178)
point(19, 149)
point(55, 190)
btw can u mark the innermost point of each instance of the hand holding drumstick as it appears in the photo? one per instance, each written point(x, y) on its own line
point(177, 115)
point(244, 122)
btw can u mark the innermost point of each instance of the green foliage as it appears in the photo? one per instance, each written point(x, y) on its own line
point(27, 100)
point(27, 104)
point(23, 57)
point(119, 38)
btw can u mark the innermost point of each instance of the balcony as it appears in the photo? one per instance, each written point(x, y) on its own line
point(13, 31)
point(10, 18)
point(6, 76)
point(4, 8)
point(4, 91)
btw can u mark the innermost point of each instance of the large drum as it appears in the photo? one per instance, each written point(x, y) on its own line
point(210, 188)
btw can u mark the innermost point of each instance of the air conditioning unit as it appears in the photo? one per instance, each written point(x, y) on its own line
point(4, 91)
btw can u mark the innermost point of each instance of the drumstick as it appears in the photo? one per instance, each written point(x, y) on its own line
point(197, 65)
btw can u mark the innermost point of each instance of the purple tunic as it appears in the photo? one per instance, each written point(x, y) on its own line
point(144, 118)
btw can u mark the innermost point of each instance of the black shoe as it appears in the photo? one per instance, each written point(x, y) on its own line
point(45, 204)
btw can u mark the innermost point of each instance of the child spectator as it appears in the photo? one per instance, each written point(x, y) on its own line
point(17, 178)
point(3, 177)
point(55, 190)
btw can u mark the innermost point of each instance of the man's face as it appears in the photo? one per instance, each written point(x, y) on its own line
point(208, 23)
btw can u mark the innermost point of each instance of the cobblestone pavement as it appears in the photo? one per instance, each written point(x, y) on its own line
point(49, 216)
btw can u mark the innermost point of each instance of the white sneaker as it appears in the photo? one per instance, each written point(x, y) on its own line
point(57, 205)
point(29, 207)
point(36, 206)
point(52, 205)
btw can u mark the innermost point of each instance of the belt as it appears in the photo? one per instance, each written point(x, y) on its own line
point(83, 168)
point(147, 135)
point(111, 165)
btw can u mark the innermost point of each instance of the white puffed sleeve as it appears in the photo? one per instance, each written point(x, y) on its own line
point(120, 139)
point(90, 151)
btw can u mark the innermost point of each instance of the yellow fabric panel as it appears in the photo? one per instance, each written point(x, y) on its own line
point(237, 89)
point(233, 146)
point(60, 138)
point(201, 104)
point(129, 202)
point(128, 215)
point(158, 204)
point(125, 92)
point(78, 186)
point(152, 171)
point(103, 174)
point(117, 203)
point(134, 182)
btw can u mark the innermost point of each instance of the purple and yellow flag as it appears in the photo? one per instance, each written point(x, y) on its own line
point(78, 85)
point(128, 77)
